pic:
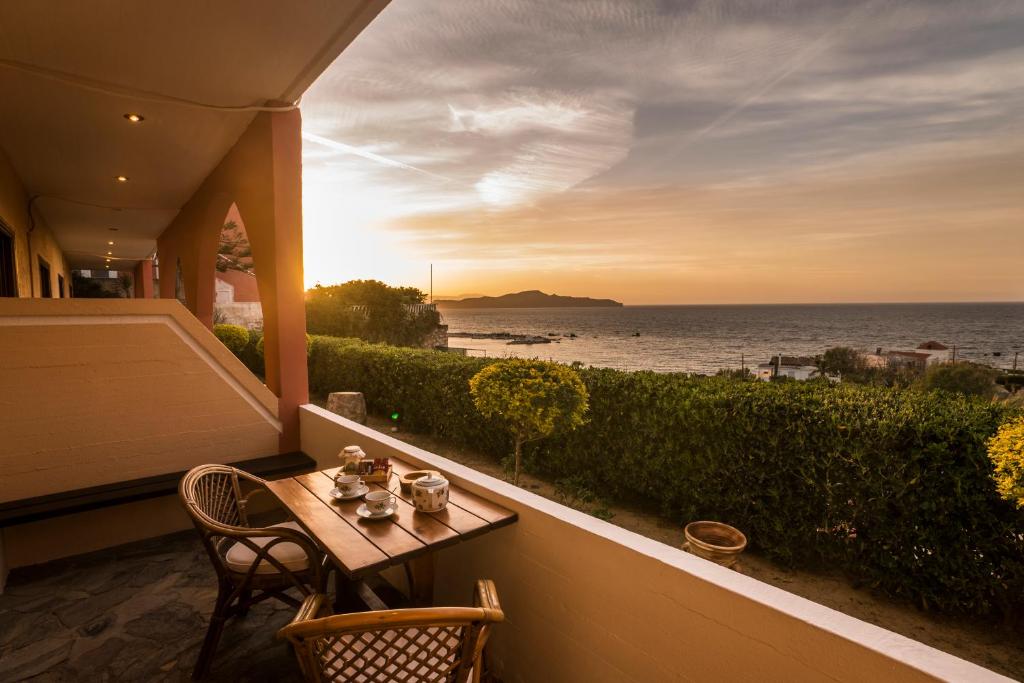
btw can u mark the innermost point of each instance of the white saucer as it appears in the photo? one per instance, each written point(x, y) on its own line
point(365, 513)
point(358, 493)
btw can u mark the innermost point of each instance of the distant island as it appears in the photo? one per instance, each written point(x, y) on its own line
point(530, 299)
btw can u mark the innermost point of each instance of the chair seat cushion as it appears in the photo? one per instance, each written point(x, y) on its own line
point(239, 557)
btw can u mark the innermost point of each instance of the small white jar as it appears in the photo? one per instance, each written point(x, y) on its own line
point(351, 456)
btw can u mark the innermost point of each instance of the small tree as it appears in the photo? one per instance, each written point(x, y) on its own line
point(1006, 451)
point(962, 378)
point(369, 310)
point(234, 252)
point(842, 361)
point(531, 399)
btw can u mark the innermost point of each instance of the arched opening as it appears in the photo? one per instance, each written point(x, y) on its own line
point(236, 292)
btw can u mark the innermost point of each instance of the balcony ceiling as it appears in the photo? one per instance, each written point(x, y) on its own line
point(69, 71)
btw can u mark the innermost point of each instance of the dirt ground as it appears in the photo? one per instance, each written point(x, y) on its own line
point(986, 643)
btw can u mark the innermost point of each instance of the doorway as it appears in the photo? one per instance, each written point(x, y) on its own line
point(8, 279)
point(45, 286)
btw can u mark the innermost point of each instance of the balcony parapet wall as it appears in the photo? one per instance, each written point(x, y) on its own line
point(586, 600)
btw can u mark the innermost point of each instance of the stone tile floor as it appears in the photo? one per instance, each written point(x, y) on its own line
point(137, 612)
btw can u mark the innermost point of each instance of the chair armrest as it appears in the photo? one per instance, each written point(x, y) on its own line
point(244, 500)
point(309, 609)
point(487, 598)
point(378, 620)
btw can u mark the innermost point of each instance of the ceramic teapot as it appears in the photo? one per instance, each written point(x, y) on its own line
point(430, 493)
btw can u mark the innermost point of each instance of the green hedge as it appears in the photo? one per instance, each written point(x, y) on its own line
point(252, 354)
point(235, 337)
point(891, 486)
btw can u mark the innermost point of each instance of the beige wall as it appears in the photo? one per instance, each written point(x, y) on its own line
point(14, 212)
point(588, 601)
point(105, 390)
point(49, 539)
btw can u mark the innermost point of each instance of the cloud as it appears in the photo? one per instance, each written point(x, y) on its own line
point(825, 235)
point(660, 135)
point(365, 154)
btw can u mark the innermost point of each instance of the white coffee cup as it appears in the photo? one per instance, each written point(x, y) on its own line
point(348, 483)
point(378, 502)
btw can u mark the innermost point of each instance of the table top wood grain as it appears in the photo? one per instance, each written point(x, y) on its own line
point(361, 547)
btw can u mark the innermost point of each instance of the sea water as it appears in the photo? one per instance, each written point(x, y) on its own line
point(705, 339)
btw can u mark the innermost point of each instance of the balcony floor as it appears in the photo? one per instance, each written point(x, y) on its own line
point(137, 612)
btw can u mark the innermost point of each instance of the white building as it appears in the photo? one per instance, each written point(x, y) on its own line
point(937, 352)
point(795, 367)
point(237, 299)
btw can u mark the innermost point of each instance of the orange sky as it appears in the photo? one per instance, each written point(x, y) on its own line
point(834, 152)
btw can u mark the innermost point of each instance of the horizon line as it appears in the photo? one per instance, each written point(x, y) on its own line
point(835, 303)
point(755, 303)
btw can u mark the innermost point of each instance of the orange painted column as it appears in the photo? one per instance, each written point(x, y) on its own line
point(262, 176)
point(144, 279)
point(281, 286)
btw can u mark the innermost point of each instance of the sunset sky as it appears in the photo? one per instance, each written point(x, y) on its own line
point(675, 152)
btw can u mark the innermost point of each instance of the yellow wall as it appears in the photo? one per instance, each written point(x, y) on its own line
point(14, 212)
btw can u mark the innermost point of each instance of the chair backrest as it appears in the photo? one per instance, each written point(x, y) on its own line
point(213, 493)
point(436, 644)
point(214, 499)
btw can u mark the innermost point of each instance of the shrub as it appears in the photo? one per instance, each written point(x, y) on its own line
point(252, 354)
point(962, 378)
point(891, 486)
point(842, 361)
point(235, 337)
point(1006, 451)
point(370, 310)
point(529, 398)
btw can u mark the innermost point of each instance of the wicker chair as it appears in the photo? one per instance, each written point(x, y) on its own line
point(252, 564)
point(408, 645)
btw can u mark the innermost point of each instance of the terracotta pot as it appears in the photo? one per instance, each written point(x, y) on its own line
point(715, 541)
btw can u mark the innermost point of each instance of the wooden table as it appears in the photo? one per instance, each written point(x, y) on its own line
point(361, 547)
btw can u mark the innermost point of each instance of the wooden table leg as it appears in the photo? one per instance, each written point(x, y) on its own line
point(420, 572)
point(345, 596)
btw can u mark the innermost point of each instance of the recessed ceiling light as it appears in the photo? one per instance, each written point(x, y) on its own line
point(111, 243)
point(134, 118)
point(110, 253)
point(121, 178)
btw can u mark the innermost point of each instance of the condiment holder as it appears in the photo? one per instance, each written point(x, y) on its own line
point(374, 470)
